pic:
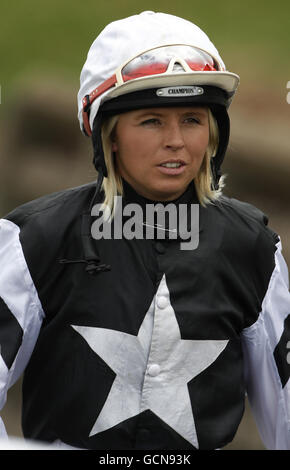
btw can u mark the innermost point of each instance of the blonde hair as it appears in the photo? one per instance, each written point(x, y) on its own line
point(112, 185)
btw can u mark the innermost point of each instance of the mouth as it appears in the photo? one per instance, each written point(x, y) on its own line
point(172, 167)
point(172, 164)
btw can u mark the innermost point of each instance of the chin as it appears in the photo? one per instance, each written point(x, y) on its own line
point(171, 191)
point(167, 194)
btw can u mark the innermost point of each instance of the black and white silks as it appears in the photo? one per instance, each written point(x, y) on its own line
point(158, 351)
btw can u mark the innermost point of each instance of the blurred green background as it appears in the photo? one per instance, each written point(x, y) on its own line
point(252, 35)
point(43, 46)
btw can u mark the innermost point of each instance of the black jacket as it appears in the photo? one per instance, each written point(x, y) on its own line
point(155, 351)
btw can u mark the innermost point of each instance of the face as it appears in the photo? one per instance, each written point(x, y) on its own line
point(159, 151)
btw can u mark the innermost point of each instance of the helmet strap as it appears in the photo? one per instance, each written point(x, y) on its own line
point(99, 158)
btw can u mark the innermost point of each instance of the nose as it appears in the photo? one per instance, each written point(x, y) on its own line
point(173, 138)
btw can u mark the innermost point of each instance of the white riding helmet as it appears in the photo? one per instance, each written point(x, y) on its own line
point(153, 60)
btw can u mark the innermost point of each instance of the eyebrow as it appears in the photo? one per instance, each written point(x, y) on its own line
point(148, 113)
point(193, 111)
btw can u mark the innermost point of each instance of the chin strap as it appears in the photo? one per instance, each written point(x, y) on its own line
point(99, 158)
point(216, 175)
point(91, 256)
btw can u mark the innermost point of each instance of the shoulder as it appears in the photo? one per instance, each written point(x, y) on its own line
point(61, 205)
point(47, 225)
point(243, 209)
point(241, 233)
point(45, 230)
point(247, 245)
point(244, 218)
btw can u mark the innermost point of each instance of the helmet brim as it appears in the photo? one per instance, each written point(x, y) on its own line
point(227, 81)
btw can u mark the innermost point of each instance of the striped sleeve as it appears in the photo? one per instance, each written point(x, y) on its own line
point(266, 346)
point(21, 313)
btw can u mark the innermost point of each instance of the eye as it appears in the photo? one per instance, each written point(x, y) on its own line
point(151, 122)
point(192, 120)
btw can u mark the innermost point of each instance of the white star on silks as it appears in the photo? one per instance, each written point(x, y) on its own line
point(134, 390)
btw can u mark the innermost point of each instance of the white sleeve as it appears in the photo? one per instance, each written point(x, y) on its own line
point(267, 361)
point(21, 313)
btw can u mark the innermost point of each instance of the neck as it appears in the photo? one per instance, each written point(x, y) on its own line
point(171, 219)
point(130, 195)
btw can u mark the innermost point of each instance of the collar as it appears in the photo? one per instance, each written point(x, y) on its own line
point(165, 220)
point(131, 196)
